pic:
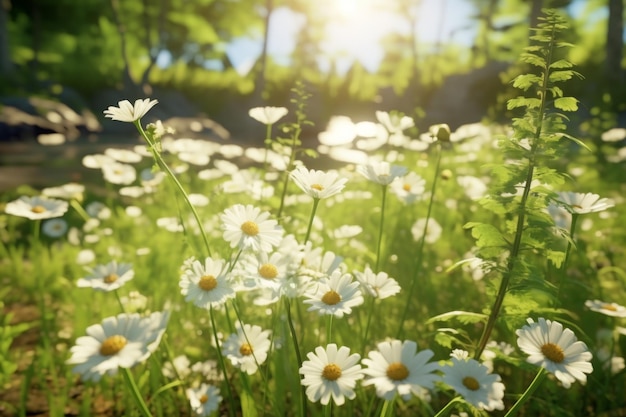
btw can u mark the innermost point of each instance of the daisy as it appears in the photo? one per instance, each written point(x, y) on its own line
point(440, 132)
point(331, 372)
point(381, 172)
point(335, 295)
point(36, 208)
point(397, 367)
point(394, 122)
point(122, 341)
point(555, 349)
point(118, 173)
point(67, 191)
point(98, 210)
point(432, 234)
point(204, 400)
point(107, 277)
point(54, 228)
point(377, 285)
point(268, 115)
point(123, 155)
point(318, 184)
point(126, 112)
point(608, 309)
point(265, 270)
point(247, 349)
point(474, 383)
point(580, 203)
point(206, 285)
point(408, 188)
point(247, 227)
point(179, 367)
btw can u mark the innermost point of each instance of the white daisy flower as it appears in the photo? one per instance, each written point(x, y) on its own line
point(118, 173)
point(331, 372)
point(377, 285)
point(474, 383)
point(247, 227)
point(268, 115)
point(381, 172)
point(206, 285)
point(107, 277)
point(98, 210)
point(126, 112)
point(54, 228)
point(96, 161)
point(67, 191)
point(397, 367)
point(474, 187)
point(264, 270)
point(335, 295)
point(432, 234)
point(179, 367)
point(134, 302)
point(394, 122)
point(318, 184)
point(122, 341)
point(247, 349)
point(556, 349)
point(580, 203)
point(439, 132)
point(608, 309)
point(36, 208)
point(204, 400)
point(408, 188)
point(614, 135)
point(123, 155)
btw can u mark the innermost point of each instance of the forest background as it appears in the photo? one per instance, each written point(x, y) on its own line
point(90, 54)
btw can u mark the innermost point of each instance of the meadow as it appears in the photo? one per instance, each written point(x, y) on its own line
point(388, 271)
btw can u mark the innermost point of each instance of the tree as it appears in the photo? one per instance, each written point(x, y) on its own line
point(614, 44)
point(6, 65)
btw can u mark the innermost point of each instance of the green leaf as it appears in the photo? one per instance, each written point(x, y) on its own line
point(248, 408)
point(465, 317)
point(525, 81)
point(561, 63)
point(533, 60)
point(486, 235)
point(531, 103)
point(566, 103)
point(556, 257)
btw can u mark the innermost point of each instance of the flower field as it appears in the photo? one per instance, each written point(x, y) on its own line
point(478, 271)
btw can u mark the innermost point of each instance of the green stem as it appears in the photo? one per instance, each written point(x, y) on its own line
point(420, 251)
point(387, 410)
point(370, 314)
point(380, 228)
point(79, 209)
point(528, 393)
point(446, 410)
point(568, 251)
point(296, 347)
point(329, 329)
point(134, 389)
point(163, 165)
point(220, 360)
point(292, 157)
point(268, 142)
point(316, 201)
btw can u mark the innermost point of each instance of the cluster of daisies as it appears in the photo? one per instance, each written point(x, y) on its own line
point(270, 264)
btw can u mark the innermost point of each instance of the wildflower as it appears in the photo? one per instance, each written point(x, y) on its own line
point(474, 383)
point(54, 227)
point(204, 400)
point(381, 172)
point(265, 270)
point(474, 187)
point(318, 184)
point(107, 277)
point(177, 367)
point(267, 115)
point(67, 191)
point(126, 112)
point(121, 341)
point(36, 208)
point(377, 285)
point(579, 203)
point(247, 227)
point(555, 349)
point(408, 188)
point(118, 173)
point(432, 234)
point(134, 302)
point(247, 349)
point(396, 367)
point(335, 295)
point(331, 372)
point(123, 155)
point(394, 122)
point(440, 132)
point(98, 210)
point(608, 309)
point(614, 135)
point(206, 285)
point(85, 256)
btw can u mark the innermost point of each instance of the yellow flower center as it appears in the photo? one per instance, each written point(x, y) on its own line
point(553, 352)
point(246, 349)
point(331, 298)
point(113, 345)
point(250, 228)
point(204, 398)
point(317, 187)
point(331, 372)
point(397, 371)
point(471, 383)
point(406, 187)
point(111, 278)
point(207, 282)
point(38, 209)
point(609, 307)
point(268, 271)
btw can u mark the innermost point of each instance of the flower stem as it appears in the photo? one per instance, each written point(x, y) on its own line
point(220, 359)
point(420, 251)
point(381, 227)
point(316, 201)
point(292, 157)
point(329, 328)
point(296, 347)
point(79, 209)
point(268, 143)
point(134, 389)
point(568, 251)
point(528, 393)
point(446, 410)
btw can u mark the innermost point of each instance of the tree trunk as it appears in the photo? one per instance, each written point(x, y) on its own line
point(129, 83)
point(6, 65)
point(260, 78)
point(614, 45)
